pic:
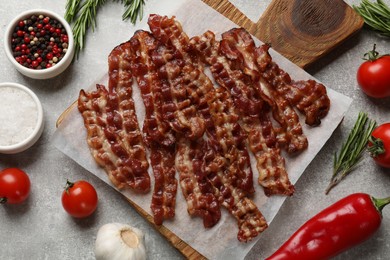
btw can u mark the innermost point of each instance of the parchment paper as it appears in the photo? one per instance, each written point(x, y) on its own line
point(219, 242)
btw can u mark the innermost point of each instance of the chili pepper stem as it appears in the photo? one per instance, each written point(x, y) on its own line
point(3, 200)
point(381, 203)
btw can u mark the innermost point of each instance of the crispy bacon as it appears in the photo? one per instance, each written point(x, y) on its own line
point(178, 109)
point(159, 135)
point(200, 88)
point(113, 133)
point(253, 113)
point(155, 128)
point(196, 188)
point(308, 96)
point(226, 136)
point(181, 104)
point(120, 88)
point(162, 159)
point(115, 148)
point(250, 221)
point(227, 160)
point(238, 46)
point(228, 165)
point(170, 32)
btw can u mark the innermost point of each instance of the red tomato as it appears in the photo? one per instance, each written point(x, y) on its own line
point(379, 146)
point(373, 75)
point(14, 186)
point(79, 199)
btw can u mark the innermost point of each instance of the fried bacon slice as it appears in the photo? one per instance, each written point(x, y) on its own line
point(170, 32)
point(114, 140)
point(308, 96)
point(226, 136)
point(113, 133)
point(159, 135)
point(249, 219)
point(196, 188)
point(178, 109)
point(238, 46)
point(155, 128)
point(252, 110)
point(162, 159)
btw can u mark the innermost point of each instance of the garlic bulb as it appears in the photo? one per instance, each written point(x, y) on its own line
point(117, 241)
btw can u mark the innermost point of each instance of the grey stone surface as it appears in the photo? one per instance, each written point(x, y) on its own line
point(40, 228)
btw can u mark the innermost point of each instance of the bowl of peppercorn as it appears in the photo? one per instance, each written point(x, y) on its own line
point(39, 43)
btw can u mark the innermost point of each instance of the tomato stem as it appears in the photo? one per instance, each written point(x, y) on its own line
point(377, 147)
point(3, 200)
point(381, 203)
point(372, 55)
point(68, 185)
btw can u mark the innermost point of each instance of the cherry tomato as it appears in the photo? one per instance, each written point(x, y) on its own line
point(14, 186)
point(373, 75)
point(379, 145)
point(79, 199)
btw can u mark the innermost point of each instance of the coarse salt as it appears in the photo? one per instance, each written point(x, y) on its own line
point(18, 115)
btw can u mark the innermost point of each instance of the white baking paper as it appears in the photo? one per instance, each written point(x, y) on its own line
point(219, 242)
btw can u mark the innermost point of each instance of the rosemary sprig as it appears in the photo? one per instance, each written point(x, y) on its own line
point(84, 13)
point(86, 17)
point(375, 15)
point(72, 8)
point(352, 150)
point(134, 9)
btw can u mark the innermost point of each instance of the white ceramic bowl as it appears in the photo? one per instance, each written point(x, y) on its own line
point(21, 116)
point(46, 72)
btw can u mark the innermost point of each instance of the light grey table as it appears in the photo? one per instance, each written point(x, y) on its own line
point(40, 229)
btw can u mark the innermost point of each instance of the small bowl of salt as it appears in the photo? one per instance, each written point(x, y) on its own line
point(21, 117)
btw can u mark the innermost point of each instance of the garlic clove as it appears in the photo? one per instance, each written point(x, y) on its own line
point(116, 241)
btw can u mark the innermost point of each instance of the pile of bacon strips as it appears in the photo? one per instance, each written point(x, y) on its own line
point(198, 128)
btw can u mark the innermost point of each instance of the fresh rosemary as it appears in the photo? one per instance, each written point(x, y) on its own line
point(71, 9)
point(83, 16)
point(352, 150)
point(134, 9)
point(375, 15)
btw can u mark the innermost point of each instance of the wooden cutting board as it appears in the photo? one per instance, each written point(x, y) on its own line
point(301, 30)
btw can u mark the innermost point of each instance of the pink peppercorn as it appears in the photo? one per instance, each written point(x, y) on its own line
point(49, 56)
point(34, 63)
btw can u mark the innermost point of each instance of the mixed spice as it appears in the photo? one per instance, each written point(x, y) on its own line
point(39, 42)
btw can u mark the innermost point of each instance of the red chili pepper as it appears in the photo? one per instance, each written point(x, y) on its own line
point(345, 224)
